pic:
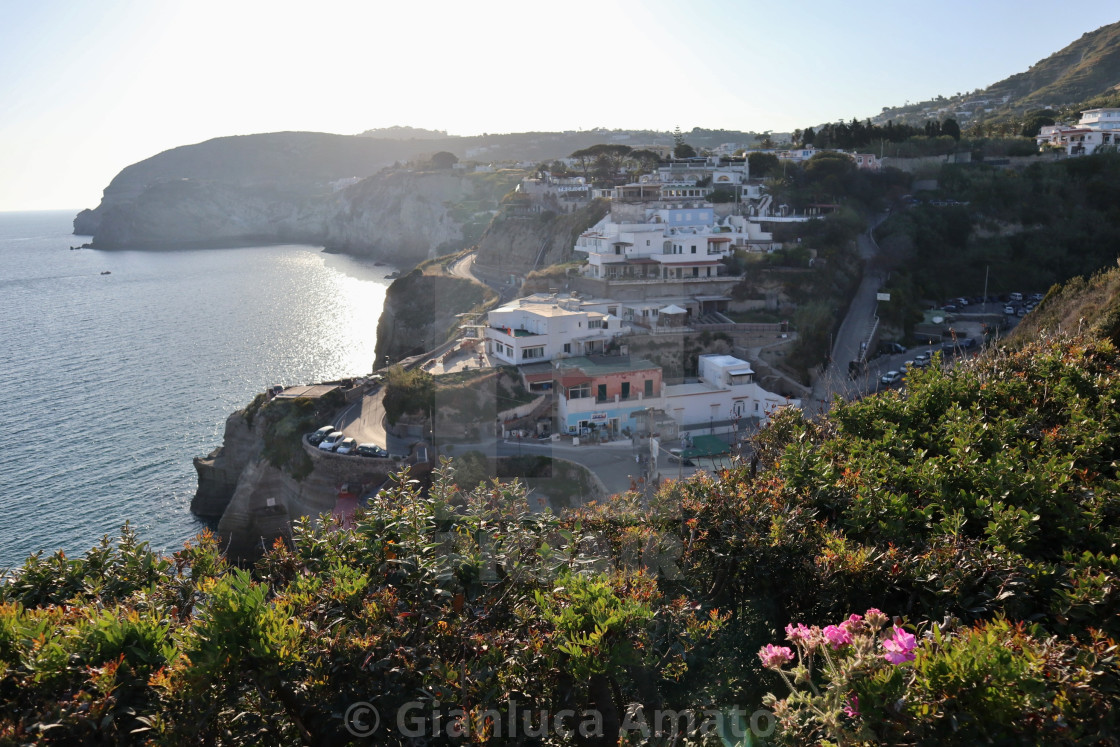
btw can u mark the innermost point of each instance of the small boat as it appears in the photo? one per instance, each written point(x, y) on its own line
point(106, 272)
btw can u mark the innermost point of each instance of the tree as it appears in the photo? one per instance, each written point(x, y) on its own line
point(951, 128)
point(762, 164)
point(443, 160)
point(681, 149)
point(684, 150)
point(1036, 121)
point(644, 161)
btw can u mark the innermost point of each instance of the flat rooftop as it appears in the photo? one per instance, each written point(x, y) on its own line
point(310, 392)
point(597, 365)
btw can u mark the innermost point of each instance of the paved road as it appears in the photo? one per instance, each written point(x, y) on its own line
point(853, 330)
point(461, 268)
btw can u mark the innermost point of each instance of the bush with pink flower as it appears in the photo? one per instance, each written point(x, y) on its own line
point(863, 681)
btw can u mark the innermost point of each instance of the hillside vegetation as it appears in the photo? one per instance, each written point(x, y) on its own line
point(979, 509)
point(1026, 230)
point(1082, 75)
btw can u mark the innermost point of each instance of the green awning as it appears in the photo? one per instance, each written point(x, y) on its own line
point(706, 446)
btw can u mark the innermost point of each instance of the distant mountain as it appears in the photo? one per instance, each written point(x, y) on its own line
point(365, 194)
point(1088, 70)
point(405, 133)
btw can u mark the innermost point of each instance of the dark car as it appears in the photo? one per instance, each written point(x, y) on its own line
point(371, 450)
point(317, 437)
point(891, 348)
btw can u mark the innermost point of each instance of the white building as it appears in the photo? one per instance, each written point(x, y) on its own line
point(542, 327)
point(1097, 128)
point(681, 241)
point(726, 390)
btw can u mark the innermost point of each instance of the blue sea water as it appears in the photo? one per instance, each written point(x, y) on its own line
point(113, 382)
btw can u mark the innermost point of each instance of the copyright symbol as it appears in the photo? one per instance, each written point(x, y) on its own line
point(361, 719)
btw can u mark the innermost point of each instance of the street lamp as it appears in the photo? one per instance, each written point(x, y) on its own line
point(735, 415)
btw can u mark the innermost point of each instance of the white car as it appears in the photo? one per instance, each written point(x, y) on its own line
point(891, 377)
point(346, 446)
point(331, 442)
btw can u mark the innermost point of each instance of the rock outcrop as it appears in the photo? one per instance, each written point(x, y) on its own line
point(255, 501)
point(522, 244)
point(296, 187)
point(219, 472)
point(421, 310)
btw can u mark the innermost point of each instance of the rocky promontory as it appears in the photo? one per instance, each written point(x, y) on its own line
point(348, 194)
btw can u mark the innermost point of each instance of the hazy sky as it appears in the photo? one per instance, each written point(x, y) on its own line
point(87, 88)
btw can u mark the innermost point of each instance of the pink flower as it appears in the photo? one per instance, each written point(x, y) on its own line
point(800, 633)
point(900, 646)
point(773, 657)
point(853, 623)
point(875, 618)
point(837, 636)
point(851, 710)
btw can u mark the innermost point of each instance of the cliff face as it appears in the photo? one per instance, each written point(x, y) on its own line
point(219, 472)
point(522, 244)
point(255, 501)
point(421, 309)
point(397, 214)
point(282, 188)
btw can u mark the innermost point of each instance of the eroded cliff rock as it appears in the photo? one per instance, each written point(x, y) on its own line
point(422, 309)
point(331, 190)
point(522, 244)
point(219, 472)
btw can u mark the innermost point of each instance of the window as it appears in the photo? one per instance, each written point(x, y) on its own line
point(626, 390)
point(601, 395)
point(649, 387)
point(531, 353)
point(594, 323)
point(567, 347)
point(582, 391)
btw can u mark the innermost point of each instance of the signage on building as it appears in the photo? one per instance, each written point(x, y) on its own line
point(598, 416)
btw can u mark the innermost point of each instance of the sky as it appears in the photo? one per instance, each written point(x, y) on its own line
point(88, 87)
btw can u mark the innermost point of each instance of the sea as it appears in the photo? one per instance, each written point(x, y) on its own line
point(118, 367)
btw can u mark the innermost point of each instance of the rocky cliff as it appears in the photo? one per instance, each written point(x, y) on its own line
point(254, 500)
point(522, 244)
point(331, 190)
point(422, 309)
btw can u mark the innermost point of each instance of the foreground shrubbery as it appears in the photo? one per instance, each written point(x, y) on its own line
point(979, 509)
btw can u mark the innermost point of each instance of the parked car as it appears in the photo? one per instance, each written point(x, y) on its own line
point(906, 366)
point(675, 455)
point(1015, 297)
point(1009, 310)
point(371, 450)
point(317, 437)
point(331, 442)
point(891, 348)
point(346, 446)
point(921, 360)
point(891, 377)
